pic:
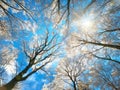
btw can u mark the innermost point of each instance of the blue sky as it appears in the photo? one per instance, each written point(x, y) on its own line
point(35, 28)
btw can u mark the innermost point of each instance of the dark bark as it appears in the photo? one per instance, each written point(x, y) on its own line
point(10, 85)
point(101, 44)
point(105, 58)
point(74, 85)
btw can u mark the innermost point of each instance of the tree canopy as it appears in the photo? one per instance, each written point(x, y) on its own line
point(59, 44)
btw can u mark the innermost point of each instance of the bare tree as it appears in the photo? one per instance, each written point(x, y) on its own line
point(106, 37)
point(16, 6)
point(38, 57)
point(69, 74)
point(105, 76)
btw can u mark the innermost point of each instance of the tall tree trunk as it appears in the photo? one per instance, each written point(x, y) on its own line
point(74, 85)
point(10, 85)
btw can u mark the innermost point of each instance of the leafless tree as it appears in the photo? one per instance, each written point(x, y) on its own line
point(106, 37)
point(70, 71)
point(105, 77)
point(40, 55)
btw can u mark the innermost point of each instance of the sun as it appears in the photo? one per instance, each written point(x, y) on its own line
point(85, 23)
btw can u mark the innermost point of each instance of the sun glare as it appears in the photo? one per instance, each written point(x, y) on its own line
point(85, 23)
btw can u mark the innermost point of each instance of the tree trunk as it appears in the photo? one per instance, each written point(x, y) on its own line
point(10, 85)
point(74, 85)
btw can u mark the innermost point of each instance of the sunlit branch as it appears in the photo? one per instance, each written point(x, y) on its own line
point(46, 51)
point(106, 77)
point(11, 5)
point(10, 15)
point(111, 30)
point(25, 51)
point(90, 4)
point(25, 77)
point(24, 8)
point(105, 58)
point(100, 44)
